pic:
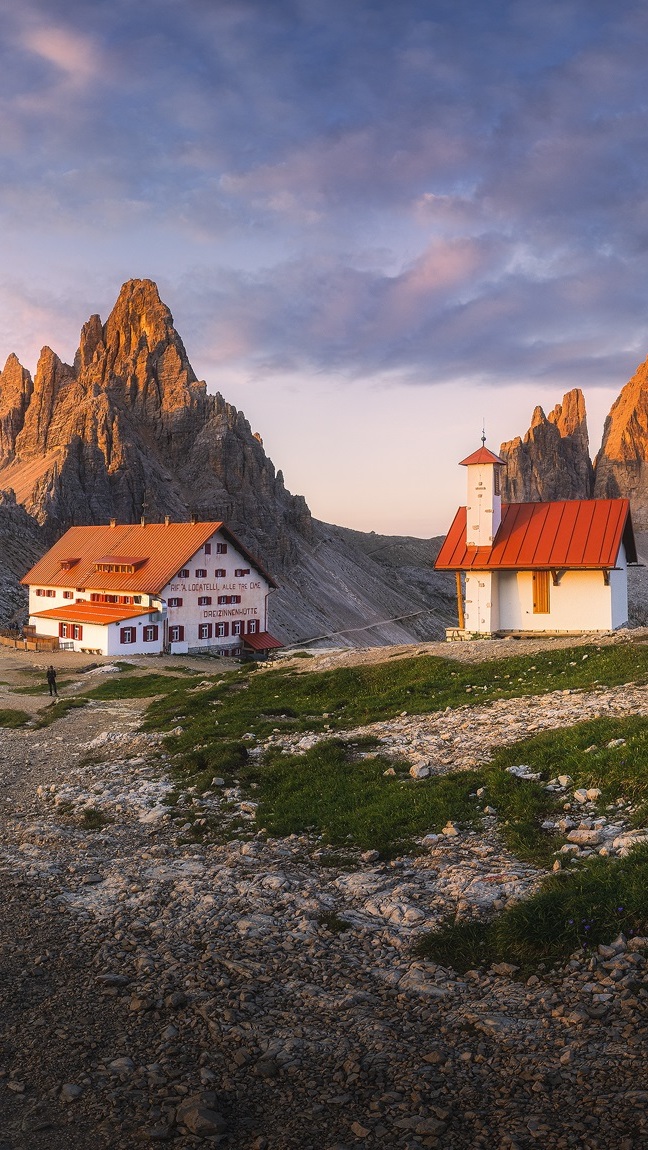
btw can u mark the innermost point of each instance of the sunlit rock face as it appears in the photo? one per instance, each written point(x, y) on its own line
point(552, 461)
point(621, 465)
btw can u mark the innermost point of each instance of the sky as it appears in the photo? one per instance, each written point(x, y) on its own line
point(377, 224)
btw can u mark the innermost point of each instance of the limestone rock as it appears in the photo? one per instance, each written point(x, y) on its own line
point(552, 461)
point(22, 542)
point(621, 466)
point(16, 389)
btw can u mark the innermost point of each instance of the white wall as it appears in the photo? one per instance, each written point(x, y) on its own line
point(581, 602)
point(106, 639)
point(482, 602)
point(252, 588)
point(619, 587)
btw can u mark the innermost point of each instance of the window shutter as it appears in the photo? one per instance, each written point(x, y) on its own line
point(541, 593)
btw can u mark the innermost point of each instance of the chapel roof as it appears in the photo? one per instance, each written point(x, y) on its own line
point(572, 533)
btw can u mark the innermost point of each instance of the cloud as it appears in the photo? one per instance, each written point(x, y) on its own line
point(73, 55)
point(429, 191)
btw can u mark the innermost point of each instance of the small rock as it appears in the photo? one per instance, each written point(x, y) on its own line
point(176, 1000)
point(122, 1065)
point(139, 1003)
point(359, 1130)
point(70, 1091)
point(420, 771)
point(200, 1119)
point(584, 837)
point(267, 1068)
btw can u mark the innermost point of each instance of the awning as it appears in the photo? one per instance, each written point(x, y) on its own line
point(264, 641)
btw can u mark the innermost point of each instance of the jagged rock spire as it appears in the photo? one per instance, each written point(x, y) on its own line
point(621, 466)
point(552, 461)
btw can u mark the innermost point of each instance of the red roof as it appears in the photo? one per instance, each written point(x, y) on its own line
point(100, 613)
point(482, 455)
point(263, 641)
point(162, 549)
point(574, 533)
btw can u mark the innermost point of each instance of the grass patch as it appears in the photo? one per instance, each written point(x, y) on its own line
point(581, 751)
point(350, 696)
point(93, 819)
point(576, 908)
point(13, 718)
point(224, 760)
point(139, 687)
point(57, 711)
point(327, 792)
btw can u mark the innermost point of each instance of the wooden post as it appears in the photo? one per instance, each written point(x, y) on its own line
point(460, 605)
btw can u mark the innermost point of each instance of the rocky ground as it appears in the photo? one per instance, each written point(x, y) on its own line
point(258, 995)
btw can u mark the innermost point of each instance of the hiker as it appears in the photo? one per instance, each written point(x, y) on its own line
point(51, 680)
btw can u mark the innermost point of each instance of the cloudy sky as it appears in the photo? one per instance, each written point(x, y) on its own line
point(375, 222)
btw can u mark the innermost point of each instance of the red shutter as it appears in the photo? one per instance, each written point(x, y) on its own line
point(78, 631)
point(180, 634)
point(62, 631)
point(156, 632)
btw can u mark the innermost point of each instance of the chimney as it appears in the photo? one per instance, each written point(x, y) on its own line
point(166, 520)
point(113, 522)
point(194, 517)
point(142, 522)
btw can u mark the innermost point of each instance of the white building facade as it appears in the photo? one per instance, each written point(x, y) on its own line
point(151, 588)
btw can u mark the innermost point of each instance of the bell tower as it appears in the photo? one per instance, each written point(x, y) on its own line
point(484, 499)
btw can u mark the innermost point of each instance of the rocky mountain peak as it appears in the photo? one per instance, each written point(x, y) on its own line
point(621, 466)
point(552, 460)
point(128, 429)
point(16, 389)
